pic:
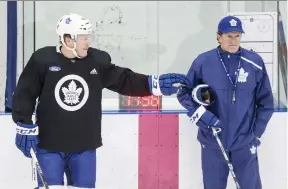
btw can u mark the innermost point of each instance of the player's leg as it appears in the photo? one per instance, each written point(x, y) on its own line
point(81, 170)
point(52, 165)
point(214, 168)
point(246, 166)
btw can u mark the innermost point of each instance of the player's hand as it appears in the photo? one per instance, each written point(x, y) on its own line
point(167, 84)
point(26, 138)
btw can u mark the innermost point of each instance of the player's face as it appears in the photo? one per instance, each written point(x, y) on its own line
point(82, 44)
point(230, 42)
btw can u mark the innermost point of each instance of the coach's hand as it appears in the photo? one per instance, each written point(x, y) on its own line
point(167, 84)
point(215, 123)
point(205, 119)
point(26, 138)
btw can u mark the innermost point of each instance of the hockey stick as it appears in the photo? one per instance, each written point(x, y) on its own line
point(38, 168)
point(230, 166)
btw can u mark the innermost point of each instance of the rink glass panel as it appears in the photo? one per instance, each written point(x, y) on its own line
point(162, 37)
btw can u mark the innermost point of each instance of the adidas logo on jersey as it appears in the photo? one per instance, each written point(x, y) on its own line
point(93, 71)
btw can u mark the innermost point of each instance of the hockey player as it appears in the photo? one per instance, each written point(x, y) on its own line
point(68, 82)
point(242, 107)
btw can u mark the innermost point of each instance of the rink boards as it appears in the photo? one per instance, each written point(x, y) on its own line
point(149, 151)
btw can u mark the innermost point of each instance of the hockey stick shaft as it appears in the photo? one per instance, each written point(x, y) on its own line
point(38, 168)
point(230, 166)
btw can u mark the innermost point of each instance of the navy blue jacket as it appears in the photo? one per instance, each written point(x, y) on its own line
point(248, 116)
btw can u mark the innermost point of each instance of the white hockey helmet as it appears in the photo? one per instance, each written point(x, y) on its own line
point(74, 25)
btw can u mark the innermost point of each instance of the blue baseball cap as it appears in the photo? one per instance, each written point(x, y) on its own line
point(230, 24)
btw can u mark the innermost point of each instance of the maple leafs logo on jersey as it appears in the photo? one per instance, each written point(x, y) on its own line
point(72, 93)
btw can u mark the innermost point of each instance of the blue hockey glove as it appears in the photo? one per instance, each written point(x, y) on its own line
point(205, 119)
point(167, 84)
point(203, 95)
point(26, 138)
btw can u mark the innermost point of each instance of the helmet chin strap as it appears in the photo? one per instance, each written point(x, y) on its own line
point(71, 49)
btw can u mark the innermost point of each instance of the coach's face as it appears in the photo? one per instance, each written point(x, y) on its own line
point(230, 42)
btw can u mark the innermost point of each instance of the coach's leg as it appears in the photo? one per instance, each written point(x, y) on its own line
point(214, 168)
point(246, 166)
point(81, 170)
point(52, 165)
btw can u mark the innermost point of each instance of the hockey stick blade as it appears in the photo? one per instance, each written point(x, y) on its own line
point(230, 166)
point(38, 168)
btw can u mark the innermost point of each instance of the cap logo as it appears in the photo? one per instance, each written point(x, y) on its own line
point(233, 22)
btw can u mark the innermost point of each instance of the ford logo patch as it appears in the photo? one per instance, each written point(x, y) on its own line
point(54, 68)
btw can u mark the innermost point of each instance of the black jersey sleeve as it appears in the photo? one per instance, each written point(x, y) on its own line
point(123, 80)
point(27, 91)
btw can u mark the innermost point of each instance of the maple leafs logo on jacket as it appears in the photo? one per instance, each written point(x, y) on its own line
point(72, 93)
point(242, 76)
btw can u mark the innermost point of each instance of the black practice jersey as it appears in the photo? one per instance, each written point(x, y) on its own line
point(69, 93)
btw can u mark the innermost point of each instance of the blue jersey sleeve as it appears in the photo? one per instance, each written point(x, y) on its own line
point(264, 103)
